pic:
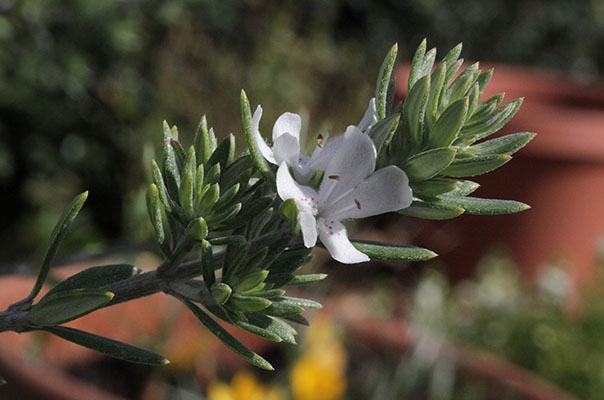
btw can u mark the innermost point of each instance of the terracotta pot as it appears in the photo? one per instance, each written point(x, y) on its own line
point(395, 337)
point(560, 174)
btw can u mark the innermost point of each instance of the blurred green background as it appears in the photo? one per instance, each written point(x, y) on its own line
point(85, 85)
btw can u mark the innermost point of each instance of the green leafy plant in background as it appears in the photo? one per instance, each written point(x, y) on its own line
point(233, 235)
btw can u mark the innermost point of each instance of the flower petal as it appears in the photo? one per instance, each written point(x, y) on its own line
point(308, 224)
point(286, 148)
point(349, 165)
point(262, 146)
point(334, 236)
point(386, 190)
point(287, 123)
point(321, 155)
point(370, 117)
point(306, 197)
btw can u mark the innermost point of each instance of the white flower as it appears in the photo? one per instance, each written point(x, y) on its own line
point(350, 189)
point(286, 143)
point(370, 117)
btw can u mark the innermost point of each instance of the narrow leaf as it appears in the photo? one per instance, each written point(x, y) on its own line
point(227, 339)
point(478, 206)
point(433, 187)
point(387, 251)
point(108, 346)
point(96, 277)
point(448, 126)
point(425, 165)
point(495, 121)
point(224, 153)
point(248, 303)
point(505, 145)
point(67, 305)
point(259, 160)
point(274, 325)
point(475, 165)
point(381, 89)
point(413, 112)
point(56, 238)
point(207, 265)
point(428, 210)
point(382, 132)
point(221, 293)
point(416, 64)
point(307, 278)
point(202, 141)
point(154, 211)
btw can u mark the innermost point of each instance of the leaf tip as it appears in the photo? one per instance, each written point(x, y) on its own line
point(165, 361)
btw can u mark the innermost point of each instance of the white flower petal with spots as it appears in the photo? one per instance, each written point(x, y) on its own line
point(350, 189)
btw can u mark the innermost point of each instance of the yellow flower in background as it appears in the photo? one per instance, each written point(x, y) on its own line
point(244, 386)
point(320, 373)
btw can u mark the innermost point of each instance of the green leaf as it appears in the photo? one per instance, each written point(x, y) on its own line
point(221, 293)
point(505, 145)
point(267, 294)
point(492, 123)
point(425, 165)
point(289, 212)
point(212, 175)
point(393, 252)
point(226, 240)
point(298, 319)
point(429, 210)
point(197, 229)
point(2, 381)
point(462, 84)
point(186, 195)
point(252, 209)
point(225, 215)
point(433, 187)
point(382, 132)
point(452, 68)
point(437, 87)
point(259, 160)
point(417, 65)
point(154, 210)
point(203, 146)
point(207, 265)
point(108, 346)
point(224, 153)
point(448, 126)
point(96, 277)
point(478, 206)
point(171, 171)
point(161, 186)
point(209, 197)
point(226, 197)
point(484, 78)
point(464, 188)
point(56, 238)
point(307, 278)
point(256, 330)
point(485, 108)
point(67, 305)
point(383, 80)
point(248, 303)
point(231, 174)
point(475, 165)
point(250, 281)
point(295, 301)
point(282, 309)
point(227, 339)
point(451, 58)
point(413, 112)
point(273, 325)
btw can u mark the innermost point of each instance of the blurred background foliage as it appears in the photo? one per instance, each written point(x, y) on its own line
point(85, 85)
